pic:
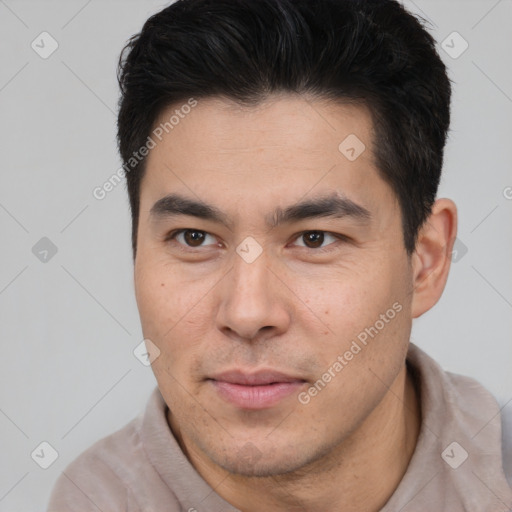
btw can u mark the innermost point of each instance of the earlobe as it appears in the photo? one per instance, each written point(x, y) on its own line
point(432, 257)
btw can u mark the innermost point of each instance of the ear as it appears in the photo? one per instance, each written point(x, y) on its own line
point(432, 256)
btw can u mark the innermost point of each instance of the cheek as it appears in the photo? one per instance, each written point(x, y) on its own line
point(369, 305)
point(174, 313)
point(154, 301)
point(347, 298)
point(359, 365)
point(162, 295)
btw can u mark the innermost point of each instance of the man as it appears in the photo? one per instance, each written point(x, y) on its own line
point(282, 160)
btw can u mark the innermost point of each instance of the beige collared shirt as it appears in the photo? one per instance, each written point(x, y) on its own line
point(457, 465)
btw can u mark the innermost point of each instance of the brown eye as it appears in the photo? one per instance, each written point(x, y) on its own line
point(313, 239)
point(193, 238)
point(318, 241)
point(189, 237)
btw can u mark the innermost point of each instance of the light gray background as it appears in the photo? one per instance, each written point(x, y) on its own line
point(69, 326)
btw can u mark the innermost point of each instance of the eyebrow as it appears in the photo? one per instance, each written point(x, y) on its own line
point(333, 205)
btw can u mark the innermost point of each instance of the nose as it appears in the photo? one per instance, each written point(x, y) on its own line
point(254, 302)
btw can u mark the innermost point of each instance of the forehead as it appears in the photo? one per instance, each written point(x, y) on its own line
point(280, 118)
point(286, 146)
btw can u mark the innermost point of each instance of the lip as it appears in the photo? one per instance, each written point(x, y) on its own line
point(257, 390)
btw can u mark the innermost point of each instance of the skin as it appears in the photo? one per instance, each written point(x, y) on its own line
point(293, 309)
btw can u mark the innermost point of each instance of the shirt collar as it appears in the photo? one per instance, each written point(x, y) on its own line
point(457, 463)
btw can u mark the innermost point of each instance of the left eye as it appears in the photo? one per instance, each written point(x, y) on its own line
point(314, 239)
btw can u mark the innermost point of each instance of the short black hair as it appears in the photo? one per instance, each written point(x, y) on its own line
point(373, 51)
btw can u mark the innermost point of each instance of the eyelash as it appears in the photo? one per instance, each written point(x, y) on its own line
point(173, 234)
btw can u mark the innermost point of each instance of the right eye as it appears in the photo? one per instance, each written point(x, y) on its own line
point(189, 237)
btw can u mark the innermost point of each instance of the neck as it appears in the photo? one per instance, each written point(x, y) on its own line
point(359, 474)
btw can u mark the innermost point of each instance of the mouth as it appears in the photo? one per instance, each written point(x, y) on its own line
point(253, 391)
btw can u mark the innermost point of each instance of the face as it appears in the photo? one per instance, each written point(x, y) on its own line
point(272, 317)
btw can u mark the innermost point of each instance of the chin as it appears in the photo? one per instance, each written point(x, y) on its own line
point(263, 459)
point(259, 468)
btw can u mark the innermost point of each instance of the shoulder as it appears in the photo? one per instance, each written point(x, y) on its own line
point(95, 480)
point(459, 406)
point(476, 400)
point(118, 473)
